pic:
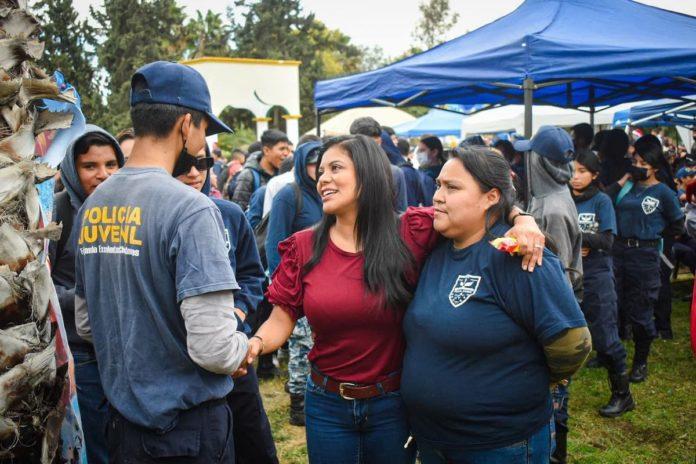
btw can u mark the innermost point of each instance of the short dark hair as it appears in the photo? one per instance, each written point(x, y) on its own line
point(125, 134)
point(506, 148)
point(308, 138)
point(403, 146)
point(366, 126)
point(273, 137)
point(490, 170)
point(389, 130)
point(158, 120)
point(254, 147)
point(583, 133)
point(92, 139)
point(588, 159)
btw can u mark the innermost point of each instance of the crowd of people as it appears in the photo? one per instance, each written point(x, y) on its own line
point(434, 302)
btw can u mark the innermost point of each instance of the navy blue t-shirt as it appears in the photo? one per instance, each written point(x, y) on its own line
point(475, 374)
point(644, 212)
point(596, 215)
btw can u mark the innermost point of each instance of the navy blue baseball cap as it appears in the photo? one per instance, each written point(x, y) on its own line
point(175, 84)
point(550, 142)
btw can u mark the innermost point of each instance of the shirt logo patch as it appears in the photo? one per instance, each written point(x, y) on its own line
point(650, 204)
point(464, 288)
point(586, 222)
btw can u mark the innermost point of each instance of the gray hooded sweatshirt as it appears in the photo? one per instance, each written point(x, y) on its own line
point(62, 252)
point(554, 210)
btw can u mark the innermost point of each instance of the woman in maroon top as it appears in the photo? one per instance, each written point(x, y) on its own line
point(353, 276)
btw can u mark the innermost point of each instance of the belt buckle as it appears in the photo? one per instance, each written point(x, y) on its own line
point(342, 386)
point(633, 243)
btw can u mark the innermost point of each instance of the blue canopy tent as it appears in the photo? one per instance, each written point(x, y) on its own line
point(583, 54)
point(436, 122)
point(665, 112)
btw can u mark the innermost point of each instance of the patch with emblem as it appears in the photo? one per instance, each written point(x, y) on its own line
point(464, 288)
point(586, 222)
point(650, 204)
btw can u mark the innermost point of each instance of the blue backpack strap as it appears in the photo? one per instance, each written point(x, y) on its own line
point(623, 192)
point(257, 179)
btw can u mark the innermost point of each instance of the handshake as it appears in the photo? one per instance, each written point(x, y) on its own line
point(254, 350)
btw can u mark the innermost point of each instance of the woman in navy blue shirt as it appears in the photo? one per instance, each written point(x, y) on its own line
point(598, 226)
point(485, 340)
point(646, 211)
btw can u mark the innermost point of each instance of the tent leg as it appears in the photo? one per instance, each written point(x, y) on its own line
point(318, 116)
point(592, 112)
point(528, 88)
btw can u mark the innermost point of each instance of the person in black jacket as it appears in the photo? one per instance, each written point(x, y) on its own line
point(88, 162)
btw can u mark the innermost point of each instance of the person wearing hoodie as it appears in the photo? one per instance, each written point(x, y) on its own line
point(548, 169)
point(368, 127)
point(261, 166)
point(414, 189)
point(253, 440)
point(89, 161)
point(598, 225)
point(296, 207)
point(431, 157)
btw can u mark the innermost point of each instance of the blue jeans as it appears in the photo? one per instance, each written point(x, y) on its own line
point(535, 450)
point(94, 409)
point(341, 431)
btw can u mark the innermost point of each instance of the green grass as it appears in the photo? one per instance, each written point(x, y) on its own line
point(661, 430)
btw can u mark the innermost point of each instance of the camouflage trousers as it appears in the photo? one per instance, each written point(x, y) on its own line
point(298, 366)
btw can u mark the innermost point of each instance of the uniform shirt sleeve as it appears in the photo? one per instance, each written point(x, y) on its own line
point(198, 248)
point(606, 215)
point(672, 208)
point(282, 216)
point(542, 302)
point(249, 272)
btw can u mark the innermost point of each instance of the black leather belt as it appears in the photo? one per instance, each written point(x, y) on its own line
point(638, 243)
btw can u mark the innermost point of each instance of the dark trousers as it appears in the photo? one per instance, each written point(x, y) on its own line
point(684, 252)
point(253, 441)
point(94, 408)
point(202, 435)
point(600, 309)
point(637, 272)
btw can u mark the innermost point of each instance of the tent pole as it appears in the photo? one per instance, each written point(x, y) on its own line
point(528, 88)
point(592, 106)
point(318, 120)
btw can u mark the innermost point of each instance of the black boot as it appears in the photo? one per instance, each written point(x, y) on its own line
point(621, 400)
point(561, 453)
point(297, 416)
point(639, 372)
point(267, 369)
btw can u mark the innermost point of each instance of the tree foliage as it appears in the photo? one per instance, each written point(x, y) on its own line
point(133, 33)
point(208, 35)
point(70, 48)
point(437, 18)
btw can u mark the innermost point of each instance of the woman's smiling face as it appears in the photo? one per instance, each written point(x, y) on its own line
point(337, 182)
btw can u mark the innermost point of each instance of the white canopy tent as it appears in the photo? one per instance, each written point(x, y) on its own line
point(340, 123)
point(511, 119)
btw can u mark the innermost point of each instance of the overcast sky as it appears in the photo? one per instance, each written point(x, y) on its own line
point(389, 23)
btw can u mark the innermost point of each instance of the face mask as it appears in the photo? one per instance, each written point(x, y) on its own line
point(638, 174)
point(422, 157)
point(184, 162)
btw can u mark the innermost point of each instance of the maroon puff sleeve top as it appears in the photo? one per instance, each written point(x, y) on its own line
point(356, 339)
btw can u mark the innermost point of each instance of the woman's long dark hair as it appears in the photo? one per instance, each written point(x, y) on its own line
point(490, 170)
point(387, 258)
